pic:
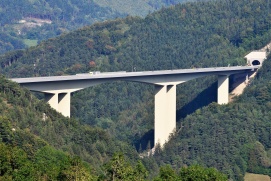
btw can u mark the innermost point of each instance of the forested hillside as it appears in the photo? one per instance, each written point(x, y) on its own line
point(139, 7)
point(24, 23)
point(36, 143)
point(23, 116)
point(202, 34)
point(234, 138)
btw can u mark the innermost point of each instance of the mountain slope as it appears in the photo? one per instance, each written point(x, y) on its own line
point(24, 155)
point(234, 138)
point(139, 7)
point(38, 20)
point(24, 23)
point(28, 116)
point(184, 36)
point(214, 33)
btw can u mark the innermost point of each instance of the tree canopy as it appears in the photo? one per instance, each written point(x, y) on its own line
point(118, 117)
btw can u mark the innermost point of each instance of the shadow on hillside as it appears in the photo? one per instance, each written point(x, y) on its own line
point(146, 141)
point(206, 97)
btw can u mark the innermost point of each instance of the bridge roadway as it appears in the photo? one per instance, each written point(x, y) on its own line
point(58, 89)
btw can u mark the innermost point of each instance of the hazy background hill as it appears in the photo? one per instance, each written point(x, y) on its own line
point(202, 34)
point(139, 7)
point(25, 23)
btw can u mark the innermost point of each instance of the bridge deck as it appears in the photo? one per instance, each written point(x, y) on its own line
point(215, 70)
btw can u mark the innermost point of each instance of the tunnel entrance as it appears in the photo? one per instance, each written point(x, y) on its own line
point(256, 62)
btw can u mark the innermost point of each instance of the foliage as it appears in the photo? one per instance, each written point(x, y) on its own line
point(21, 162)
point(200, 173)
point(239, 138)
point(167, 173)
point(202, 34)
point(31, 124)
point(119, 169)
point(39, 20)
point(194, 172)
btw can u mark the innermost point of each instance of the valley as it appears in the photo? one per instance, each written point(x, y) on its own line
point(112, 123)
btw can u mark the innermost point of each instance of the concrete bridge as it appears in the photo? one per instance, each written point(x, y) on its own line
point(58, 90)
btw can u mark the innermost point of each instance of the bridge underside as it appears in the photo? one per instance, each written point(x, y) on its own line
point(164, 111)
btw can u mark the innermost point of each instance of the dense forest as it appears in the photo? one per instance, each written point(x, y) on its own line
point(25, 23)
point(233, 138)
point(37, 143)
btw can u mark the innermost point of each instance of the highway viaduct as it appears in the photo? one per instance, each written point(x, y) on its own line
point(58, 89)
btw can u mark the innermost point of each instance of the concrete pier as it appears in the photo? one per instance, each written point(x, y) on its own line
point(64, 102)
point(52, 99)
point(165, 113)
point(223, 89)
point(60, 102)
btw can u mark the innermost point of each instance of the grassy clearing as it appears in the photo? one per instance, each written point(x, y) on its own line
point(30, 43)
point(256, 177)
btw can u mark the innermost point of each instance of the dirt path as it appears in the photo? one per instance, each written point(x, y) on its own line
point(256, 177)
point(268, 46)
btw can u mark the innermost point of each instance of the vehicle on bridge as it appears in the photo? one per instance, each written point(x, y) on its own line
point(102, 73)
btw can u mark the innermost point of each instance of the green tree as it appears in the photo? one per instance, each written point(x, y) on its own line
point(140, 172)
point(77, 171)
point(50, 162)
point(6, 134)
point(166, 173)
point(118, 168)
point(197, 172)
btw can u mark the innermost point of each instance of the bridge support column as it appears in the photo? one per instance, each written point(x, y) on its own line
point(165, 113)
point(52, 99)
point(60, 102)
point(223, 89)
point(64, 102)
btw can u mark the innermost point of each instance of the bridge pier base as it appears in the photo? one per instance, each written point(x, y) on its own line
point(165, 113)
point(223, 89)
point(64, 102)
point(60, 102)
